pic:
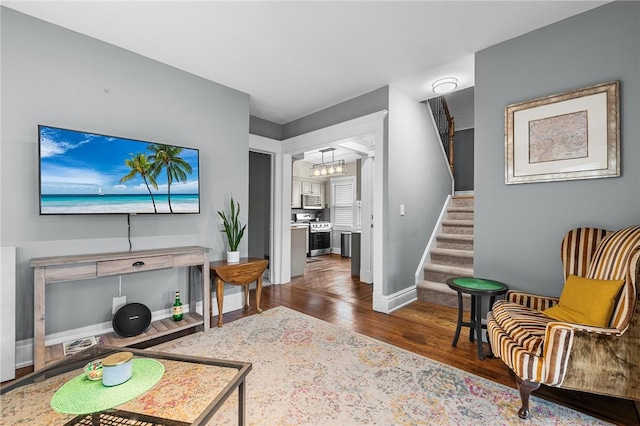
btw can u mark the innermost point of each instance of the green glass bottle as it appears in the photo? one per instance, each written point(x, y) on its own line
point(177, 308)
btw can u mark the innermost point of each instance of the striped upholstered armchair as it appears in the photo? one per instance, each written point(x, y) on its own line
point(598, 359)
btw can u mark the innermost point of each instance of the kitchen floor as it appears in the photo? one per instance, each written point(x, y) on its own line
point(330, 275)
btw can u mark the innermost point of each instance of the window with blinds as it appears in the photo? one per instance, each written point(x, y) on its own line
point(343, 203)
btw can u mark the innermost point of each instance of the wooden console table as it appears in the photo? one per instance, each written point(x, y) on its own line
point(243, 273)
point(48, 270)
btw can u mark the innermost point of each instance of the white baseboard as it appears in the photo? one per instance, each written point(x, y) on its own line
point(399, 299)
point(24, 348)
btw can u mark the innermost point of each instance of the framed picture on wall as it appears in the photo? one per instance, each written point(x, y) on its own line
point(573, 135)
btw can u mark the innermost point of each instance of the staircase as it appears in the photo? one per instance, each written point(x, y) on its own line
point(452, 257)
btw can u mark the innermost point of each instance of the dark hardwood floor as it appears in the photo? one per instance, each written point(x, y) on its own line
point(328, 292)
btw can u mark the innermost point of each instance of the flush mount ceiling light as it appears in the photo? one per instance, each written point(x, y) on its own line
point(444, 85)
point(332, 168)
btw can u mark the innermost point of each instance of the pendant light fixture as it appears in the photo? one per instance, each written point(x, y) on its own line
point(330, 168)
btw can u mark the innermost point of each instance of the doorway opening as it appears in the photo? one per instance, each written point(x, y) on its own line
point(259, 223)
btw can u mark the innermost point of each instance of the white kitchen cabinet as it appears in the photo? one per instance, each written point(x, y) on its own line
point(296, 199)
point(306, 187)
point(312, 188)
point(321, 192)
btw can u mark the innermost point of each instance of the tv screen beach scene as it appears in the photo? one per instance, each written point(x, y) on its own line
point(88, 173)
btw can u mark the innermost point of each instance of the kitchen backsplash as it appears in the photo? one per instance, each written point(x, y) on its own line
point(322, 214)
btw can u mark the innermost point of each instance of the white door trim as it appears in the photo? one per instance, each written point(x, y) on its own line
point(366, 197)
point(368, 124)
point(277, 226)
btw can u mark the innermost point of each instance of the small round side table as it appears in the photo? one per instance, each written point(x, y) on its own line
point(477, 288)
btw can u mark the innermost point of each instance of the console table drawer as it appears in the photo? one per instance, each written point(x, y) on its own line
point(127, 266)
point(55, 274)
point(187, 259)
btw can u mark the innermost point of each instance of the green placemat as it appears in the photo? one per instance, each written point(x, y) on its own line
point(478, 284)
point(83, 396)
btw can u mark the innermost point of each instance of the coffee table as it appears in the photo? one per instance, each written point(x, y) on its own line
point(477, 288)
point(190, 392)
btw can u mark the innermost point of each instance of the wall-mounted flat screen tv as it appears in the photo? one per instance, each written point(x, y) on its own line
point(90, 173)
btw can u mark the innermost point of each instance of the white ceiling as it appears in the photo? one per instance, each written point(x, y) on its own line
point(296, 58)
point(348, 150)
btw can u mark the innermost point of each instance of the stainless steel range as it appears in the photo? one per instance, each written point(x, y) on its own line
point(318, 234)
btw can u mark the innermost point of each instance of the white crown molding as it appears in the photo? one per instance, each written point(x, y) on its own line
point(263, 144)
point(318, 138)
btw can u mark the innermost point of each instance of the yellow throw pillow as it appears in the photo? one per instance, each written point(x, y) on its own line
point(586, 301)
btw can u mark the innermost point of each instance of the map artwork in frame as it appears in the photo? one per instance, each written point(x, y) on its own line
point(573, 135)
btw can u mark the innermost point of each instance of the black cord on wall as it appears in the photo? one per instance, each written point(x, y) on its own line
point(129, 229)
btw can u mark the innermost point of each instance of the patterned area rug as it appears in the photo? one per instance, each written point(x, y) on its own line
point(309, 372)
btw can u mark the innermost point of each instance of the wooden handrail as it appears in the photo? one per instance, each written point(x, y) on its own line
point(438, 106)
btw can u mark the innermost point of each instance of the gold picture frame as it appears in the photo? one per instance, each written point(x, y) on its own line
point(573, 135)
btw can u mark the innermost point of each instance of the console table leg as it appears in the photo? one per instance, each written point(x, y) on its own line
point(220, 298)
point(206, 293)
point(38, 318)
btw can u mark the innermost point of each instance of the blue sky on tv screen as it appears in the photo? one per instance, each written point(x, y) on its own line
point(73, 162)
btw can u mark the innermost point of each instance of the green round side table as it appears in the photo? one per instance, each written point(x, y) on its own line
point(477, 288)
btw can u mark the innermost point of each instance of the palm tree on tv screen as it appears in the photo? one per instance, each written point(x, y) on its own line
point(140, 165)
point(168, 157)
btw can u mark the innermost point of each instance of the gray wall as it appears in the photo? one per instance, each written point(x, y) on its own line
point(418, 177)
point(268, 129)
point(368, 103)
point(463, 160)
point(54, 76)
point(519, 227)
point(259, 204)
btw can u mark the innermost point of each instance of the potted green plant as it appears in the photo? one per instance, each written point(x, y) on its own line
point(234, 231)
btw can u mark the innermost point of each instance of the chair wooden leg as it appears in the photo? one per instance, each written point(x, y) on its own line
point(525, 388)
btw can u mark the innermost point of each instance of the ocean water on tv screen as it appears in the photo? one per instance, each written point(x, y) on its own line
point(135, 203)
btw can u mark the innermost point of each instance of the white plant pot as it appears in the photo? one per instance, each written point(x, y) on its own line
point(233, 256)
